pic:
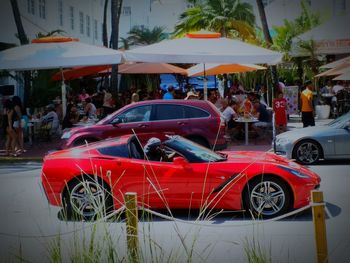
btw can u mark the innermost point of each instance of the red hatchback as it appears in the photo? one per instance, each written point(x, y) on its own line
point(197, 120)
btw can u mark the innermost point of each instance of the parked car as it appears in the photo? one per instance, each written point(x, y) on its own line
point(309, 145)
point(91, 180)
point(197, 120)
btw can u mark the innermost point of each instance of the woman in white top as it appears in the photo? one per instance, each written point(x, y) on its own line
point(90, 109)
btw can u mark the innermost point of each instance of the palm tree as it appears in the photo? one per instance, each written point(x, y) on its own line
point(104, 25)
point(51, 33)
point(23, 40)
point(268, 38)
point(144, 36)
point(116, 7)
point(229, 17)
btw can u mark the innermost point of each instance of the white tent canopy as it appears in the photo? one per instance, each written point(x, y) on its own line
point(336, 63)
point(331, 37)
point(53, 54)
point(345, 76)
point(203, 47)
point(57, 55)
point(203, 50)
point(214, 69)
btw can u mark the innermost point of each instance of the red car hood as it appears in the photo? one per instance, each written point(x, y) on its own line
point(254, 156)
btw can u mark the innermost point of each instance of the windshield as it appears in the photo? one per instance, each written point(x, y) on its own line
point(194, 152)
point(339, 122)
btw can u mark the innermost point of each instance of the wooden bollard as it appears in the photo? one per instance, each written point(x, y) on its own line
point(318, 216)
point(131, 226)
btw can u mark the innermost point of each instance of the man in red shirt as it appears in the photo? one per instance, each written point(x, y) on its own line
point(280, 109)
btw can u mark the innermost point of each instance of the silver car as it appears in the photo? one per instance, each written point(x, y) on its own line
point(308, 145)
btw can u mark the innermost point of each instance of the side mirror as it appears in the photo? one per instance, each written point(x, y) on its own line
point(180, 161)
point(347, 125)
point(117, 120)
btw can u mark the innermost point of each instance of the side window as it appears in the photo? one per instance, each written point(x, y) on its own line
point(137, 114)
point(169, 112)
point(192, 112)
point(117, 151)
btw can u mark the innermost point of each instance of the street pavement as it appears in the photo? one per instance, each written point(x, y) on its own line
point(29, 227)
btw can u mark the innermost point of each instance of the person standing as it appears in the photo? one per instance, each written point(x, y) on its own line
point(8, 121)
point(307, 109)
point(108, 103)
point(170, 93)
point(19, 123)
point(279, 107)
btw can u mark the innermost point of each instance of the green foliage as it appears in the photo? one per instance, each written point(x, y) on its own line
point(56, 32)
point(303, 23)
point(231, 18)
point(44, 90)
point(144, 36)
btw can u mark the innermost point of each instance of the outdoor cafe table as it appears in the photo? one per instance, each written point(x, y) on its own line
point(246, 121)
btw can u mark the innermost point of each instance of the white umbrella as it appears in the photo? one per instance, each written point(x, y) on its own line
point(215, 69)
point(336, 63)
point(345, 76)
point(203, 48)
point(331, 37)
point(57, 52)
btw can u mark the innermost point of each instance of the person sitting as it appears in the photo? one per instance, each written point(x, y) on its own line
point(83, 95)
point(154, 151)
point(50, 122)
point(169, 95)
point(262, 115)
point(327, 88)
point(71, 118)
point(89, 109)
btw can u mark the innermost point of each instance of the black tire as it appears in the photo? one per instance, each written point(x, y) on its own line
point(307, 152)
point(267, 197)
point(200, 141)
point(83, 141)
point(87, 198)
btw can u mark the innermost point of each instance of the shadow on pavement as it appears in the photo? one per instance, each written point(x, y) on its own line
point(216, 217)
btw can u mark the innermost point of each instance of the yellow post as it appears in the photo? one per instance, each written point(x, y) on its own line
point(131, 226)
point(318, 216)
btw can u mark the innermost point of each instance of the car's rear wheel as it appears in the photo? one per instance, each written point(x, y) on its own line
point(267, 197)
point(307, 152)
point(87, 198)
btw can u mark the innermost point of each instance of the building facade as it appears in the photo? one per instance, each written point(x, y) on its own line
point(77, 18)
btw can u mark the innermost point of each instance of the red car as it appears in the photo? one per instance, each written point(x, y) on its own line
point(197, 120)
point(175, 173)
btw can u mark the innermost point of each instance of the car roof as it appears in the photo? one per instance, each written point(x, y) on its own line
point(207, 105)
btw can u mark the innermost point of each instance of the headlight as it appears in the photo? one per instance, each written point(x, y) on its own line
point(294, 172)
point(66, 135)
point(282, 140)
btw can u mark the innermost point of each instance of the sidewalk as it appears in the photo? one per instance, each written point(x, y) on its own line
point(39, 149)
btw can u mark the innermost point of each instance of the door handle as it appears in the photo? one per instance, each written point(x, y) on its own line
point(181, 123)
point(142, 125)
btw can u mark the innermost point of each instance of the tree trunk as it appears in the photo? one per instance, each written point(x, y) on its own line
point(104, 33)
point(23, 40)
point(268, 39)
point(116, 7)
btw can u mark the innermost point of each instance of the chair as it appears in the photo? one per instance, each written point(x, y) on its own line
point(265, 132)
point(46, 129)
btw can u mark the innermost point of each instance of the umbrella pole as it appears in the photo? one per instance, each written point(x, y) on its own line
point(63, 90)
point(205, 88)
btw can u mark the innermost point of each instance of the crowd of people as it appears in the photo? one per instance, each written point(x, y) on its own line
point(234, 103)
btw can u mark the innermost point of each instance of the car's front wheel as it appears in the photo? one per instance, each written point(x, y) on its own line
point(307, 152)
point(87, 198)
point(267, 197)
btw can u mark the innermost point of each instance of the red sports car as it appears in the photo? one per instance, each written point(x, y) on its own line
point(174, 173)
